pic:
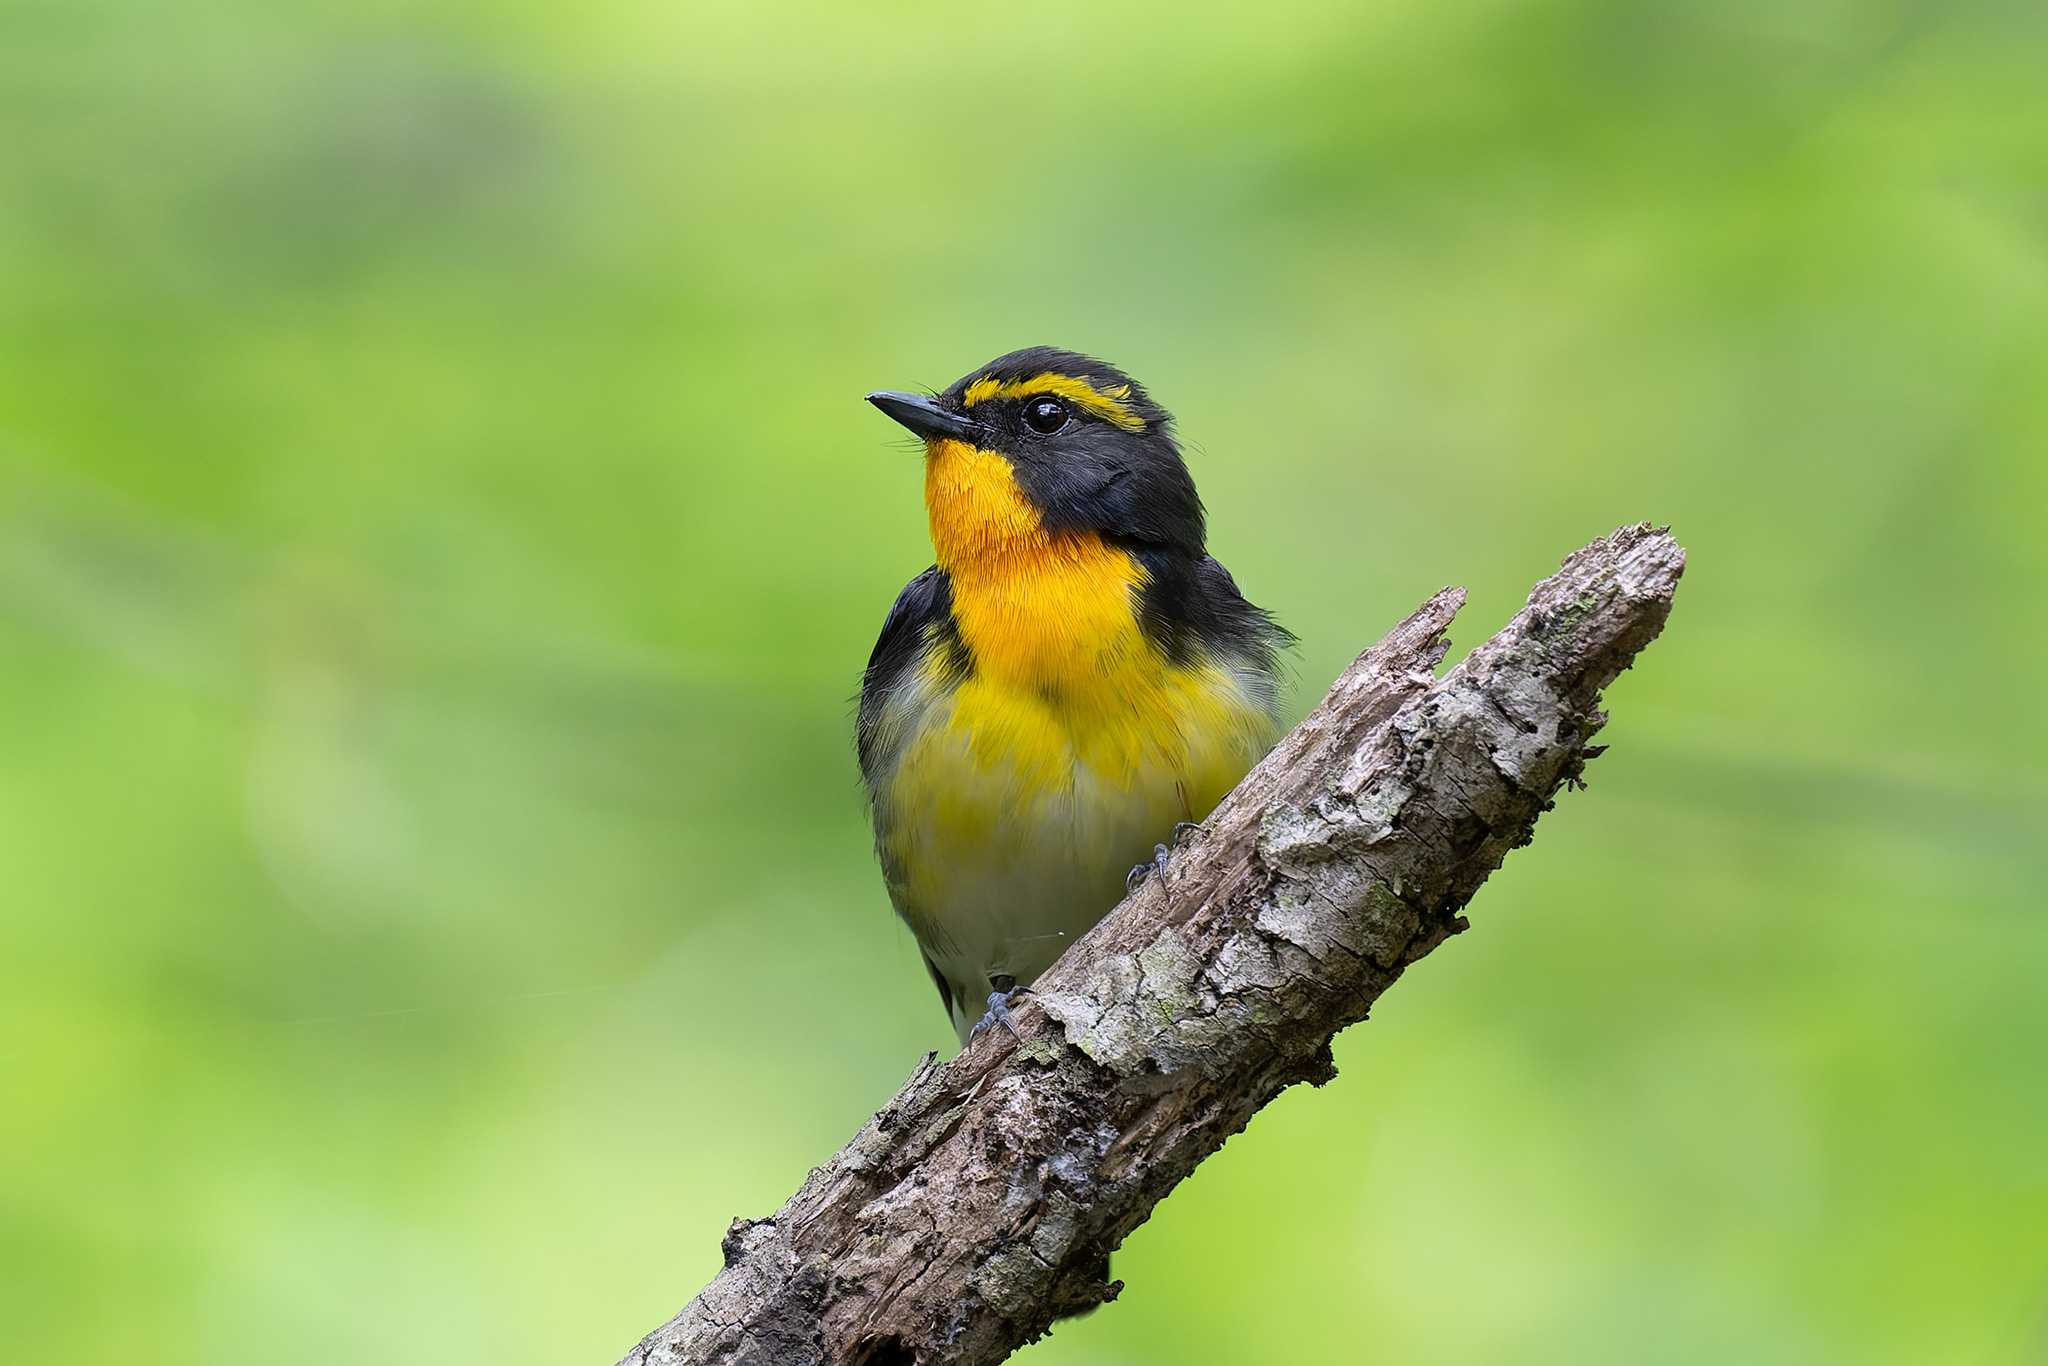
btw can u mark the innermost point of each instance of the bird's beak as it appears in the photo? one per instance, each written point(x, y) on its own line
point(925, 417)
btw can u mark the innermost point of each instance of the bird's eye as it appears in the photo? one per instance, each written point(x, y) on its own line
point(1045, 415)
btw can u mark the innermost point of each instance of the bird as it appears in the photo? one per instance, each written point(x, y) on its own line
point(1069, 687)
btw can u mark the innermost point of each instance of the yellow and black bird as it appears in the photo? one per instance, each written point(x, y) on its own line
point(1074, 679)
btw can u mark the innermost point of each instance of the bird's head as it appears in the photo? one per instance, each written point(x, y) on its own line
point(1044, 441)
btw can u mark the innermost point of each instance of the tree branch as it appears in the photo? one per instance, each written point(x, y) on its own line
point(980, 1204)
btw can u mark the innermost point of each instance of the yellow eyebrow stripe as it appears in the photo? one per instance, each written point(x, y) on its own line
point(1107, 404)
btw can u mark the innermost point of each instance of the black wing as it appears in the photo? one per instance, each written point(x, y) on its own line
point(924, 606)
point(1190, 605)
point(926, 602)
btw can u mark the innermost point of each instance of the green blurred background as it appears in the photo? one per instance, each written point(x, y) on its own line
point(440, 535)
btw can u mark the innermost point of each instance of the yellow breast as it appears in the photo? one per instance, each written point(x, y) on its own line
point(1063, 676)
point(1041, 610)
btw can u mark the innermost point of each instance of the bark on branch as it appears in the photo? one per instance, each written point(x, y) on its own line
point(979, 1204)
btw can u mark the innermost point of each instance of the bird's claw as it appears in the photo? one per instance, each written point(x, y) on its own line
point(1160, 854)
point(998, 1012)
point(1157, 864)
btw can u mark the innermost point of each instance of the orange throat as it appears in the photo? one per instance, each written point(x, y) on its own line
point(1038, 609)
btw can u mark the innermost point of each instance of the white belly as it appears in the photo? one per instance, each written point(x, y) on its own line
point(1047, 867)
point(1008, 832)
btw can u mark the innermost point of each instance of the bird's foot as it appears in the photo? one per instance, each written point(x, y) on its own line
point(1160, 854)
point(1139, 872)
point(999, 1000)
